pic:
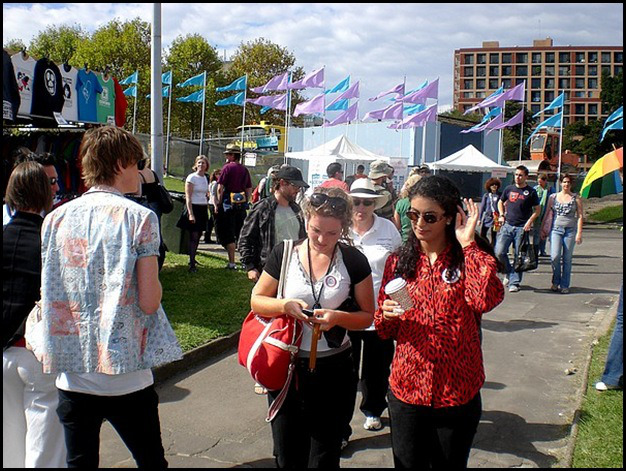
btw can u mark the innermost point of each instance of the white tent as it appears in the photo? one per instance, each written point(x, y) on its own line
point(469, 159)
point(313, 162)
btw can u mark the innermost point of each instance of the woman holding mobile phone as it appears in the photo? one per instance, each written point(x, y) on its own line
point(437, 371)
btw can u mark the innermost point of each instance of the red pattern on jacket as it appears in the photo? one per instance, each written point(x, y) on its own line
point(438, 360)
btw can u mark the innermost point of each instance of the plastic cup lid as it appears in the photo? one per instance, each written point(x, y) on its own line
point(395, 285)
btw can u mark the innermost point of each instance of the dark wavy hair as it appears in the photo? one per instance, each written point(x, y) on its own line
point(445, 193)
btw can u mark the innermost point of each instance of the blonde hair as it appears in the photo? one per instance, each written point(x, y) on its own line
point(412, 180)
point(198, 159)
point(325, 210)
point(103, 150)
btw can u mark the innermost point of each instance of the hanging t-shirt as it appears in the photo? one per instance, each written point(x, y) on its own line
point(10, 92)
point(47, 89)
point(106, 100)
point(70, 109)
point(120, 104)
point(88, 87)
point(24, 73)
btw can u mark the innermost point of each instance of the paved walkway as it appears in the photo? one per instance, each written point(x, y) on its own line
point(210, 417)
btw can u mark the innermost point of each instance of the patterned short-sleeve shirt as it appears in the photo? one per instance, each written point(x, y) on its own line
point(91, 319)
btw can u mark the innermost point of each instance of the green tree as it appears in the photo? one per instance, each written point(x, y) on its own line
point(14, 45)
point(262, 59)
point(612, 94)
point(511, 144)
point(58, 43)
point(187, 57)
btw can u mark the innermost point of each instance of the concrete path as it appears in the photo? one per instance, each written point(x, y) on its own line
point(536, 346)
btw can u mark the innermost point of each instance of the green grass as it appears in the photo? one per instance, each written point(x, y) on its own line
point(599, 443)
point(205, 305)
point(174, 184)
point(609, 214)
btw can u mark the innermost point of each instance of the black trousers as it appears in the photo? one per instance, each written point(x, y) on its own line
point(425, 437)
point(307, 429)
point(134, 416)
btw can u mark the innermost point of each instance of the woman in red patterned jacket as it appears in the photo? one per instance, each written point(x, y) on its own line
point(437, 371)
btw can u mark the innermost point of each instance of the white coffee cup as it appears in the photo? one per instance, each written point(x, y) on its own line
point(397, 290)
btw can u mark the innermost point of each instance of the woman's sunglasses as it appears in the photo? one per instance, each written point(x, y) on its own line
point(336, 204)
point(364, 202)
point(429, 218)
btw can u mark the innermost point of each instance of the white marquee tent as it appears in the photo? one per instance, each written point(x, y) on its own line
point(313, 162)
point(469, 159)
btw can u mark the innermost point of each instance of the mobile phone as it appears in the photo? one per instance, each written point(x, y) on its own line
point(307, 312)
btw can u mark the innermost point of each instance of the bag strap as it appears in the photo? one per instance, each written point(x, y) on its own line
point(284, 267)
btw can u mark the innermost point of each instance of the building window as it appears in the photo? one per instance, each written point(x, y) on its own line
point(519, 80)
point(549, 57)
point(506, 83)
point(480, 84)
point(521, 71)
point(536, 70)
point(493, 84)
point(580, 95)
point(564, 70)
point(507, 70)
point(468, 94)
point(521, 58)
point(468, 59)
point(579, 108)
point(564, 83)
point(481, 58)
point(592, 109)
point(481, 71)
point(606, 57)
point(535, 109)
point(494, 70)
point(606, 70)
point(548, 96)
point(507, 58)
point(618, 69)
point(580, 70)
point(549, 83)
point(592, 83)
point(536, 57)
point(579, 83)
point(619, 57)
point(494, 58)
point(468, 84)
point(592, 70)
point(564, 57)
point(549, 70)
point(481, 95)
point(535, 97)
point(535, 83)
point(468, 71)
point(592, 57)
point(580, 57)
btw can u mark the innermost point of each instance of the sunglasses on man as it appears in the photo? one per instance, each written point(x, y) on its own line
point(336, 204)
point(364, 202)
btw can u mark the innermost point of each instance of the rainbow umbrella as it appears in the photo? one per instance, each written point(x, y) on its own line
point(603, 177)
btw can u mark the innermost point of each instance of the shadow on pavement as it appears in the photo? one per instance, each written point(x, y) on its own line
point(515, 325)
point(264, 463)
point(375, 442)
point(502, 432)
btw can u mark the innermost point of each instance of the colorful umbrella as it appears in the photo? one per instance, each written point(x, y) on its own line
point(604, 177)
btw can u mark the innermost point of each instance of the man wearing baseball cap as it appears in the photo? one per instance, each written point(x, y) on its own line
point(272, 220)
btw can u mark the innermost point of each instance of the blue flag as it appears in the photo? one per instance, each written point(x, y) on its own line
point(166, 78)
point(195, 97)
point(237, 99)
point(413, 109)
point(341, 105)
point(197, 80)
point(618, 113)
point(340, 87)
point(556, 103)
point(165, 92)
point(131, 91)
point(619, 124)
point(552, 121)
point(134, 78)
point(239, 84)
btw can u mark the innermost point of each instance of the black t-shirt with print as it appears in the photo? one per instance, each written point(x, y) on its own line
point(47, 89)
point(519, 203)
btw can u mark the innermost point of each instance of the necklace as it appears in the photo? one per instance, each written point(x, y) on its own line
point(318, 296)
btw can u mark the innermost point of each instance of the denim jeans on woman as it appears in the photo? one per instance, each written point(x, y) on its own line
point(562, 242)
point(614, 368)
point(509, 235)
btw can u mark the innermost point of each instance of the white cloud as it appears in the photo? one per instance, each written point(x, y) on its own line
point(376, 43)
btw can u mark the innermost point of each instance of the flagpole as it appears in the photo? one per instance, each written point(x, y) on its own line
point(501, 143)
point(402, 130)
point(169, 112)
point(203, 107)
point(558, 172)
point(135, 106)
point(286, 136)
point(521, 133)
point(243, 119)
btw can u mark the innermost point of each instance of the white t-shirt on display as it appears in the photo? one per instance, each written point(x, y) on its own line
point(25, 75)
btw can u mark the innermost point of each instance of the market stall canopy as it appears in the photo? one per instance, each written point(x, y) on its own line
point(340, 148)
point(469, 159)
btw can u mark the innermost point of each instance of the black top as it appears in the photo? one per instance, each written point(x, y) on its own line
point(10, 92)
point(21, 273)
point(48, 93)
point(519, 204)
point(150, 190)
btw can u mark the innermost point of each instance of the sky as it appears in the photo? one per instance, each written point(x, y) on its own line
point(378, 44)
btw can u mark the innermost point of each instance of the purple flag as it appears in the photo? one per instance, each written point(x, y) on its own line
point(516, 94)
point(429, 91)
point(391, 112)
point(314, 80)
point(514, 121)
point(352, 92)
point(497, 121)
point(277, 102)
point(277, 83)
point(316, 105)
point(398, 89)
point(349, 115)
point(417, 120)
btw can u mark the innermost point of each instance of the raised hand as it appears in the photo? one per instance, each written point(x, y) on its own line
point(466, 224)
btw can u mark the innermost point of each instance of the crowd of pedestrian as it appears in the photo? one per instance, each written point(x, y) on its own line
point(83, 324)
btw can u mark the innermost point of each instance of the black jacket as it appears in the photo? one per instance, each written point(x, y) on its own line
point(21, 273)
point(256, 239)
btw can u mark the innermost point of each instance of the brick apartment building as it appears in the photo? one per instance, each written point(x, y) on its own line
point(547, 69)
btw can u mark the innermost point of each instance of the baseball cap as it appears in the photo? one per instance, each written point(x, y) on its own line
point(291, 174)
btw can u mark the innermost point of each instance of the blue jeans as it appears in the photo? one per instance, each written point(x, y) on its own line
point(614, 368)
point(509, 235)
point(562, 242)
